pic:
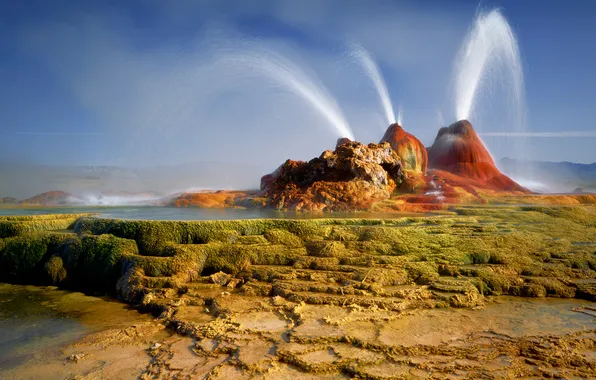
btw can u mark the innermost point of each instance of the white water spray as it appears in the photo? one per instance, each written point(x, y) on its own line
point(440, 119)
point(366, 60)
point(291, 77)
point(400, 116)
point(489, 63)
point(489, 50)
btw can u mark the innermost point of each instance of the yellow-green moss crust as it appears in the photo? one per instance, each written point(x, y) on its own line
point(531, 251)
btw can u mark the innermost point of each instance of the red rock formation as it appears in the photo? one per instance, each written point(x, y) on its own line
point(350, 178)
point(412, 152)
point(457, 149)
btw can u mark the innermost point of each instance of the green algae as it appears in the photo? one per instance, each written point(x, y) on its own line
point(13, 226)
point(525, 251)
point(23, 256)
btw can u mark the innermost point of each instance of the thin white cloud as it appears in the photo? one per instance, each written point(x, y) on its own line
point(541, 134)
point(58, 134)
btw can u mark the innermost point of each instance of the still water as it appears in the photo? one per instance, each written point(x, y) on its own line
point(174, 213)
point(36, 321)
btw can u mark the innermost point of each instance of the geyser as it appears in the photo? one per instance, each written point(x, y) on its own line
point(489, 55)
point(366, 60)
point(292, 78)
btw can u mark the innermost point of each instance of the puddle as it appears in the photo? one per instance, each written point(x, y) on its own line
point(37, 321)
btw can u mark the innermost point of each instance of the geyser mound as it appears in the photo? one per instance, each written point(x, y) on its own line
point(352, 177)
point(412, 152)
point(458, 149)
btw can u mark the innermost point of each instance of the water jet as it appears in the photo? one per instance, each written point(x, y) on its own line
point(292, 78)
point(489, 53)
point(366, 60)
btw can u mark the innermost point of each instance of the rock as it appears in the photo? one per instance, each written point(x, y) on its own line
point(342, 141)
point(350, 178)
point(220, 278)
point(233, 283)
point(457, 149)
point(411, 151)
point(278, 301)
point(76, 357)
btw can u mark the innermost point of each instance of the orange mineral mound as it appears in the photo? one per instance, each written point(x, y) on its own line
point(457, 149)
point(212, 199)
point(411, 151)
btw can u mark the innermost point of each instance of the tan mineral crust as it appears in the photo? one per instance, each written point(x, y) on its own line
point(471, 292)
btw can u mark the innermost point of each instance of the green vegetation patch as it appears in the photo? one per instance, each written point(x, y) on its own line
point(14, 226)
point(23, 257)
point(530, 251)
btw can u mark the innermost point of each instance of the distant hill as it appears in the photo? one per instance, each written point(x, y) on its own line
point(24, 181)
point(21, 181)
point(555, 176)
point(52, 198)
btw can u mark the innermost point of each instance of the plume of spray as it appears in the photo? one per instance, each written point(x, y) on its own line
point(489, 58)
point(400, 116)
point(440, 119)
point(291, 77)
point(366, 60)
point(490, 45)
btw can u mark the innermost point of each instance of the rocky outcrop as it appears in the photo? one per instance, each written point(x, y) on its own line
point(457, 149)
point(412, 152)
point(350, 178)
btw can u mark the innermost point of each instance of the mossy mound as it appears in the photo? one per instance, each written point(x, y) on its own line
point(520, 251)
point(16, 225)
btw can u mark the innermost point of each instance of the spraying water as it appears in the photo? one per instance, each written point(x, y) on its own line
point(366, 60)
point(288, 75)
point(489, 61)
point(440, 119)
point(400, 116)
point(490, 49)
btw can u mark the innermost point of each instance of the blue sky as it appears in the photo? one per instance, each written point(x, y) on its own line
point(142, 83)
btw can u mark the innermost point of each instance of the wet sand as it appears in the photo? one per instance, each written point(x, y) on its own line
point(41, 326)
point(231, 335)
